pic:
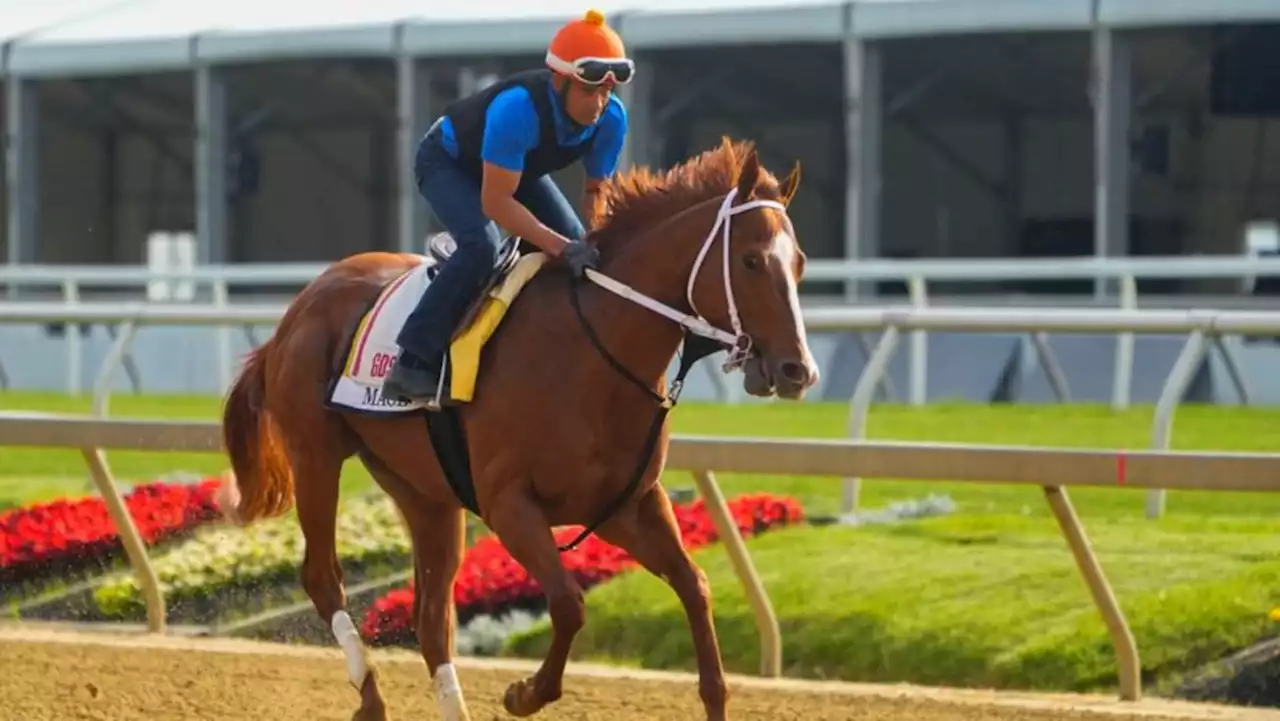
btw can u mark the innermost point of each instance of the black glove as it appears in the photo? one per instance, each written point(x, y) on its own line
point(580, 256)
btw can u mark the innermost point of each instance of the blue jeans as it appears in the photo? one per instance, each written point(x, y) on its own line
point(454, 196)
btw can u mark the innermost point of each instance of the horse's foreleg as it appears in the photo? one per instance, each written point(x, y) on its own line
point(317, 502)
point(650, 533)
point(523, 529)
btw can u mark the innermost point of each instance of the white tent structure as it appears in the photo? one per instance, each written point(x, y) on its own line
point(75, 37)
point(195, 51)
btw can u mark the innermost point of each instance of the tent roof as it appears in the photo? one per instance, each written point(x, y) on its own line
point(105, 37)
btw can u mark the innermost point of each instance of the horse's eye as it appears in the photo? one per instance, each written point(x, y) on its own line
point(751, 261)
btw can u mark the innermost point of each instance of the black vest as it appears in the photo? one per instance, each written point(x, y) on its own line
point(468, 118)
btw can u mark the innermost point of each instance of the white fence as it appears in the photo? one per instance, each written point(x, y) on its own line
point(1203, 329)
point(1125, 270)
point(212, 285)
point(1051, 468)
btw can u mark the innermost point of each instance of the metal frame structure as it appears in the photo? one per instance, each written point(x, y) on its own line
point(90, 39)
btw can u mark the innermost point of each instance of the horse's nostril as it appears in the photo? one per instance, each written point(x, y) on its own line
point(794, 372)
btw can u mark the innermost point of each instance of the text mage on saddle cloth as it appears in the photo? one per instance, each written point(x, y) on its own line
point(374, 349)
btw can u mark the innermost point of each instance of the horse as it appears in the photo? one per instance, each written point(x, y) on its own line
point(568, 424)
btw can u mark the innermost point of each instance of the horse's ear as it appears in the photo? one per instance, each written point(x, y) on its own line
point(748, 175)
point(790, 185)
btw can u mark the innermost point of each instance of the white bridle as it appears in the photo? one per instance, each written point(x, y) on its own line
point(738, 341)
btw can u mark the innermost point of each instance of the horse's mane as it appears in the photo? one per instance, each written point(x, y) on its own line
point(639, 197)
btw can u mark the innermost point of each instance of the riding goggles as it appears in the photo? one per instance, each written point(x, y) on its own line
point(595, 71)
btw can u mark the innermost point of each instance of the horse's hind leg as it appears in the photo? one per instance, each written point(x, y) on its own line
point(317, 470)
point(439, 541)
point(648, 531)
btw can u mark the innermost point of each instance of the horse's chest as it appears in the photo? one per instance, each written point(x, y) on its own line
point(588, 476)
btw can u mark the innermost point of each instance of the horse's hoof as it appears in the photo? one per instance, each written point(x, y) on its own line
point(372, 707)
point(371, 713)
point(521, 698)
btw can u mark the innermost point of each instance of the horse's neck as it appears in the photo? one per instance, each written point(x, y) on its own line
point(656, 264)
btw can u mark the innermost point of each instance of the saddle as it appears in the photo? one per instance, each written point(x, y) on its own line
point(440, 248)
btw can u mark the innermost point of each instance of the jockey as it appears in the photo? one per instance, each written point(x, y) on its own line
point(486, 162)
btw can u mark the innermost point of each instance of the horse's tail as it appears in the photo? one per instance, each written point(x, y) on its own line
point(261, 482)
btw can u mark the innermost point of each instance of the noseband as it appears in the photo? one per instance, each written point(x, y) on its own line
point(701, 338)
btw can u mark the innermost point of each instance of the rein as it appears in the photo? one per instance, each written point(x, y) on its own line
point(701, 339)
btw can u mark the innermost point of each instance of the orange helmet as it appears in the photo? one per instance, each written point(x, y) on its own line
point(590, 51)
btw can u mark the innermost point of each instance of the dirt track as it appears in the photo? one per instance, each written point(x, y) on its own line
point(55, 675)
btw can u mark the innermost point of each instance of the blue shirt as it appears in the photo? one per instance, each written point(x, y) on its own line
point(512, 129)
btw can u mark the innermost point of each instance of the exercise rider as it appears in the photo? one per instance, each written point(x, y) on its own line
point(487, 162)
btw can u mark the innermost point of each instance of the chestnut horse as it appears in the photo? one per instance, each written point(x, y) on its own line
point(569, 385)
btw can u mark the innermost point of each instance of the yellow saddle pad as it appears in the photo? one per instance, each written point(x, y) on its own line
point(466, 348)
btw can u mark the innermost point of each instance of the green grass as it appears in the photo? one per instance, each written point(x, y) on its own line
point(988, 597)
point(972, 601)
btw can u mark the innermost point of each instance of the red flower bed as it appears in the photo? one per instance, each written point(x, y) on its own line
point(69, 534)
point(491, 582)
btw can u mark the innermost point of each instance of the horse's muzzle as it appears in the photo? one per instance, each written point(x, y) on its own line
point(792, 377)
point(786, 378)
point(756, 378)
